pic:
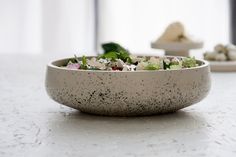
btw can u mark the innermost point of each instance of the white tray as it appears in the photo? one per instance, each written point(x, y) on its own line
point(177, 48)
point(223, 66)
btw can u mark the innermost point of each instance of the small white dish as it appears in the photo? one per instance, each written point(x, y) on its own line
point(177, 48)
point(223, 66)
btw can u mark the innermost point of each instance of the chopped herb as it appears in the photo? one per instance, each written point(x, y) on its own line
point(108, 47)
point(110, 55)
point(151, 66)
point(115, 51)
point(175, 66)
point(189, 62)
point(84, 63)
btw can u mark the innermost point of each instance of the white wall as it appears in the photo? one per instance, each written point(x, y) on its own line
point(43, 26)
point(68, 26)
point(20, 26)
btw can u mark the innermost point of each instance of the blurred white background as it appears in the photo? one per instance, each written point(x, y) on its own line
point(67, 26)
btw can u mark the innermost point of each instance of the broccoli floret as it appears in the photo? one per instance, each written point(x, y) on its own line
point(189, 62)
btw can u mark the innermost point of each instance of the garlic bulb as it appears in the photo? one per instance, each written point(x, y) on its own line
point(175, 32)
point(220, 57)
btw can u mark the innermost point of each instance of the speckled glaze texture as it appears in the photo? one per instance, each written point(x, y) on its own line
point(127, 93)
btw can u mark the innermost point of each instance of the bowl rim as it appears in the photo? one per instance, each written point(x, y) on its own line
point(51, 65)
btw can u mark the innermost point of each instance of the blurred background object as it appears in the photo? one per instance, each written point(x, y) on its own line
point(233, 21)
point(62, 26)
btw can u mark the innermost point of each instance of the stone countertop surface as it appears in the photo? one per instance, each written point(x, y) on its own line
point(31, 124)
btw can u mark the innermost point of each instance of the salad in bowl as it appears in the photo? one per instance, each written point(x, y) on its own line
point(117, 58)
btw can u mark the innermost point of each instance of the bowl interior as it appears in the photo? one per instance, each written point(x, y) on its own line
point(63, 62)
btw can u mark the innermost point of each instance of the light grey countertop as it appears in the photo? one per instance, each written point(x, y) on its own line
point(33, 125)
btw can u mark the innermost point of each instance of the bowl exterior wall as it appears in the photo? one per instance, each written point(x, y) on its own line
point(128, 93)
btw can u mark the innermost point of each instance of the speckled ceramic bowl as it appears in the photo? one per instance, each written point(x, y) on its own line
point(127, 93)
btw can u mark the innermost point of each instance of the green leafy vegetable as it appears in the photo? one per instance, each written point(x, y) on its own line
point(124, 56)
point(115, 51)
point(110, 55)
point(151, 66)
point(84, 63)
point(108, 47)
point(175, 66)
point(189, 62)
